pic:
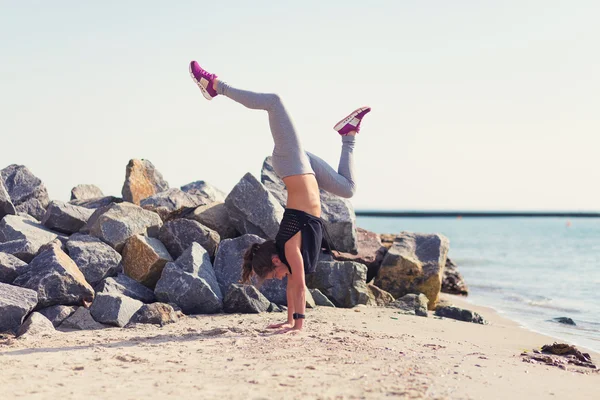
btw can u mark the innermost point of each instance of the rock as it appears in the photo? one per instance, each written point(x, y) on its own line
point(57, 314)
point(179, 234)
point(370, 252)
point(190, 283)
point(15, 304)
point(205, 190)
point(122, 284)
point(320, 298)
point(116, 223)
point(96, 202)
point(459, 314)
point(229, 259)
point(164, 203)
point(81, 320)
point(65, 217)
point(23, 249)
point(114, 309)
point(339, 216)
point(56, 279)
point(275, 308)
point(378, 297)
point(274, 290)
point(310, 301)
point(9, 267)
point(253, 209)
point(245, 299)
point(86, 192)
point(343, 282)
point(27, 192)
point(564, 320)
point(142, 180)
point(155, 313)
point(96, 260)
point(412, 304)
point(414, 264)
point(453, 281)
point(215, 217)
point(144, 259)
point(14, 227)
point(36, 325)
point(6, 205)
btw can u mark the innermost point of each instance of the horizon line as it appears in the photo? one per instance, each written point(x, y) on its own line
point(476, 214)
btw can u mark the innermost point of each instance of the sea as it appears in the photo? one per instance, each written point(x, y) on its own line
point(530, 270)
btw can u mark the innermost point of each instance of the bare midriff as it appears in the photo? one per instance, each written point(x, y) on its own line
point(303, 194)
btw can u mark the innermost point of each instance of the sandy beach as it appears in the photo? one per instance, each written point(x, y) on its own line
point(343, 353)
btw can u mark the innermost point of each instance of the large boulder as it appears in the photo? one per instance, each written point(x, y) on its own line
point(205, 190)
point(96, 260)
point(86, 192)
point(216, 217)
point(245, 299)
point(114, 309)
point(56, 279)
point(116, 223)
point(453, 282)
point(230, 258)
point(253, 209)
point(58, 314)
point(190, 283)
point(144, 259)
point(337, 212)
point(343, 282)
point(155, 313)
point(179, 234)
point(142, 180)
point(412, 304)
point(35, 325)
point(27, 192)
point(16, 227)
point(81, 320)
point(6, 205)
point(15, 304)
point(164, 203)
point(96, 202)
point(370, 251)
point(414, 264)
point(65, 217)
point(23, 249)
point(10, 266)
point(320, 299)
point(122, 284)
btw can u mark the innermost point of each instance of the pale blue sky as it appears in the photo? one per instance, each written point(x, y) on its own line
point(476, 105)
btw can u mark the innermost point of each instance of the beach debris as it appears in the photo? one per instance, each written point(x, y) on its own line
point(86, 192)
point(564, 320)
point(156, 313)
point(378, 297)
point(57, 314)
point(343, 282)
point(15, 304)
point(144, 259)
point(414, 264)
point(215, 217)
point(142, 180)
point(66, 218)
point(114, 309)
point(412, 304)
point(210, 193)
point(6, 205)
point(95, 259)
point(27, 192)
point(452, 281)
point(178, 235)
point(559, 355)
point(10, 266)
point(245, 299)
point(165, 203)
point(35, 325)
point(122, 284)
point(81, 320)
point(460, 314)
point(320, 298)
point(370, 251)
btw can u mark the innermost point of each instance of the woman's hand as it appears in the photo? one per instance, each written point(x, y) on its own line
point(284, 325)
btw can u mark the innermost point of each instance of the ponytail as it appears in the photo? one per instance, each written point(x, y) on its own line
point(257, 260)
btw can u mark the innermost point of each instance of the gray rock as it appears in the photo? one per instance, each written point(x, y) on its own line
point(96, 260)
point(164, 203)
point(81, 320)
point(370, 251)
point(320, 298)
point(206, 190)
point(23, 249)
point(414, 264)
point(144, 259)
point(15, 304)
point(460, 314)
point(216, 217)
point(275, 290)
point(9, 267)
point(14, 227)
point(229, 259)
point(36, 325)
point(155, 313)
point(343, 282)
point(58, 314)
point(116, 223)
point(26, 191)
point(179, 234)
point(122, 284)
point(253, 209)
point(96, 202)
point(190, 283)
point(6, 205)
point(86, 192)
point(275, 308)
point(114, 309)
point(142, 180)
point(32, 207)
point(564, 320)
point(412, 304)
point(56, 279)
point(378, 297)
point(453, 282)
point(245, 299)
point(65, 217)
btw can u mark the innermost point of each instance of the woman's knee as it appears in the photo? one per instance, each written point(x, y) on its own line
point(274, 100)
point(348, 192)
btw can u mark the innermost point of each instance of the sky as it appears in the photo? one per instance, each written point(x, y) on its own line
point(477, 105)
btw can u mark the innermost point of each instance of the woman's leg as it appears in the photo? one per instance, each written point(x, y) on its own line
point(342, 182)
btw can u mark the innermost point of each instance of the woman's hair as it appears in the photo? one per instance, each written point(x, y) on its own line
point(257, 259)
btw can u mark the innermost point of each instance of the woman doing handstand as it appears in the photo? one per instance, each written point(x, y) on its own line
point(295, 250)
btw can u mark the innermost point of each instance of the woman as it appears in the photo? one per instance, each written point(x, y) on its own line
point(295, 251)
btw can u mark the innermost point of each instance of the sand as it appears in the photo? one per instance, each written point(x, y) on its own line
point(343, 353)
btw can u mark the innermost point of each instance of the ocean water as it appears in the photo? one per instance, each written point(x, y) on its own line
point(531, 270)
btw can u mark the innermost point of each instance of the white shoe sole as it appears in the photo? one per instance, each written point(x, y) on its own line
point(203, 84)
point(350, 119)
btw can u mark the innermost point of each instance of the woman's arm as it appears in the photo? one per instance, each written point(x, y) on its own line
point(296, 281)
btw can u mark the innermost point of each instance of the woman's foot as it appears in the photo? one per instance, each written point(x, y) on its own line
point(351, 124)
point(205, 80)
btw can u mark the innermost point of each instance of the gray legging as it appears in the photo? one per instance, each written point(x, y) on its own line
point(289, 158)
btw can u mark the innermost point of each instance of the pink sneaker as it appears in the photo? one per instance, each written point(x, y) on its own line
point(204, 80)
point(352, 121)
